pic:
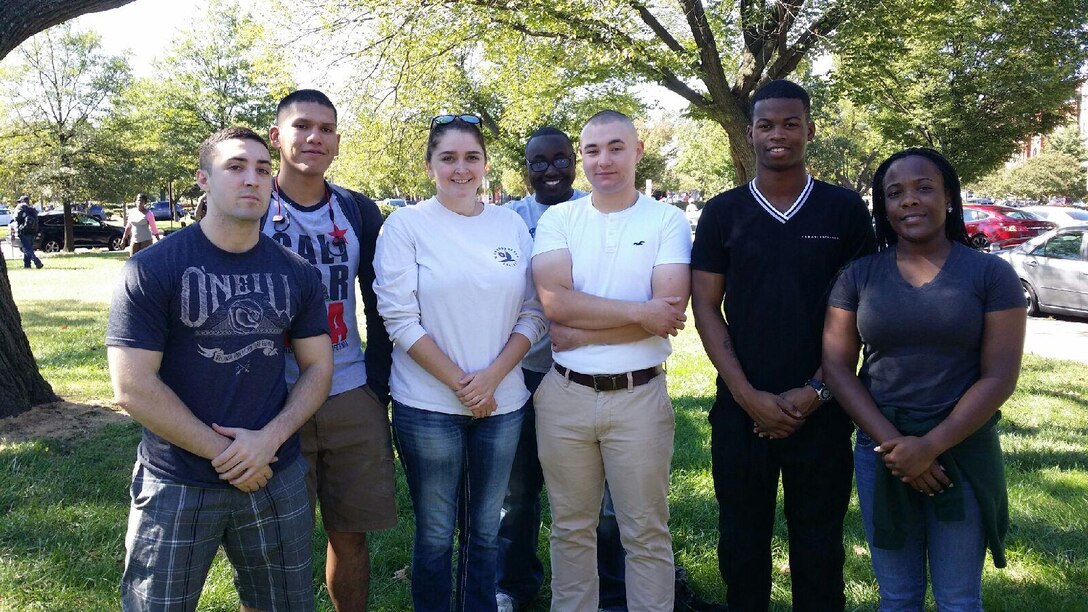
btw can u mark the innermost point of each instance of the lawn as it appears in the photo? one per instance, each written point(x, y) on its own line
point(64, 503)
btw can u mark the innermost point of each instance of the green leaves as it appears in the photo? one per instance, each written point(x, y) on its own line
point(60, 89)
point(969, 77)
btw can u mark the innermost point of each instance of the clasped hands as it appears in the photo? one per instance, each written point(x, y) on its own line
point(246, 462)
point(778, 416)
point(914, 461)
point(476, 391)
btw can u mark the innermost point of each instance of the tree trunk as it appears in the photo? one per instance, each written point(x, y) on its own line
point(69, 230)
point(21, 386)
point(735, 125)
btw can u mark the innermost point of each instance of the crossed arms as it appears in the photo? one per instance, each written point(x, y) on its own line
point(579, 319)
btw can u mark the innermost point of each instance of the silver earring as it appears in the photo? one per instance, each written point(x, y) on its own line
point(949, 209)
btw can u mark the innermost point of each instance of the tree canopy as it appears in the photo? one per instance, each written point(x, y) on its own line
point(960, 75)
point(714, 55)
point(972, 78)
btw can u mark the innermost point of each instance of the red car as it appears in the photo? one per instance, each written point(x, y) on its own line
point(992, 226)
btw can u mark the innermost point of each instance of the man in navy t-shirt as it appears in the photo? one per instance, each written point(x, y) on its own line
point(197, 331)
point(768, 251)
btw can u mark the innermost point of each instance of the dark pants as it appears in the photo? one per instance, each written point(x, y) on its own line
point(27, 242)
point(520, 572)
point(816, 479)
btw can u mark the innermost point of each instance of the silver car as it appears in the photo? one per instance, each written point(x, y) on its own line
point(1062, 215)
point(1053, 268)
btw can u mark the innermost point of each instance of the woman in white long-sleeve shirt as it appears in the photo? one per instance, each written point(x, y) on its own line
point(454, 288)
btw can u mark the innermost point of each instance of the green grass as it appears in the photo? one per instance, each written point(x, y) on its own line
point(64, 504)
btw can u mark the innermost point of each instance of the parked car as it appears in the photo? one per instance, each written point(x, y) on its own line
point(1062, 215)
point(98, 212)
point(1054, 271)
point(6, 216)
point(89, 232)
point(397, 202)
point(999, 227)
point(162, 211)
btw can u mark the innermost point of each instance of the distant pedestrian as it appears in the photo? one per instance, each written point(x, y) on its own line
point(26, 225)
point(201, 208)
point(140, 226)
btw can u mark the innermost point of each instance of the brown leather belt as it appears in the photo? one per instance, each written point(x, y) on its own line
point(610, 382)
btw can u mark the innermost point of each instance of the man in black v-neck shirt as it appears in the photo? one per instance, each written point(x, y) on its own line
point(771, 249)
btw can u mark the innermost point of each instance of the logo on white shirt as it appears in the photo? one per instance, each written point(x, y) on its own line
point(506, 256)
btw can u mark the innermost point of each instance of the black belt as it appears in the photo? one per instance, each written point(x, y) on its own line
point(610, 382)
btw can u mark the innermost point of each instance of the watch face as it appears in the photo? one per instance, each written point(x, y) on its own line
point(825, 394)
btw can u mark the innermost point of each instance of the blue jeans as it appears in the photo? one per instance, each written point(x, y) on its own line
point(27, 243)
point(457, 470)
point(955, 550)
point(520, 571)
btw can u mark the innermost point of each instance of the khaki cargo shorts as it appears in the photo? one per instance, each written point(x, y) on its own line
point(347, 444)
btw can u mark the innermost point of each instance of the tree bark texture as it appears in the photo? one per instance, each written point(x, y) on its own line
point(21, 385)
point(21, 19)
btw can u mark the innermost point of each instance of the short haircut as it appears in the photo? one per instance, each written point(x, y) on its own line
point(231, 133)
point(954, 227)
point(549, 131)
point(609, 116)
point(304, 95)
point(141, 196)
point(457, 125)
point(781, 89)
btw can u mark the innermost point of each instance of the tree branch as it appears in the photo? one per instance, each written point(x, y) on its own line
point(709, 57)
point(22, 19)
point(787, 62)
point(650, 20)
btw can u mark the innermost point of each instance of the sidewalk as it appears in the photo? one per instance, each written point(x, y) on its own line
point(1065, 338)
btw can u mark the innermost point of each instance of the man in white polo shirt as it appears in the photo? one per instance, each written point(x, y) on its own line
point(612, 273)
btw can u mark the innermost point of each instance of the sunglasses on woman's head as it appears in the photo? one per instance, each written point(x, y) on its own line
point(444, 119)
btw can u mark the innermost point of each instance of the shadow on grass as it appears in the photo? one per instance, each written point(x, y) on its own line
point(44, 317)
point(1066, 394)
point(1030, 460)
point(83, 260)
point(64, 505)
point(1062, 544)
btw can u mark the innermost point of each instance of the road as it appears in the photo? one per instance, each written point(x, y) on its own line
point(1063, 338)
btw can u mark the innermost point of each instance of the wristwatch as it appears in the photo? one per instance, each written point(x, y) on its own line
point(820, 388)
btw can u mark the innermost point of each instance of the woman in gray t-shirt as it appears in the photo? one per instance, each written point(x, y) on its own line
point(942, 328)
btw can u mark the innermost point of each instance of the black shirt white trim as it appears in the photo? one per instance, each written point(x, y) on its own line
point(782, 217)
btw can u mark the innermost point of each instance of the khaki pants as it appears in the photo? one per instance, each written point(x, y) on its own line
point(584, 436)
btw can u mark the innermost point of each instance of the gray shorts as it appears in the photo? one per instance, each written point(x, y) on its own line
point(175, 529)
